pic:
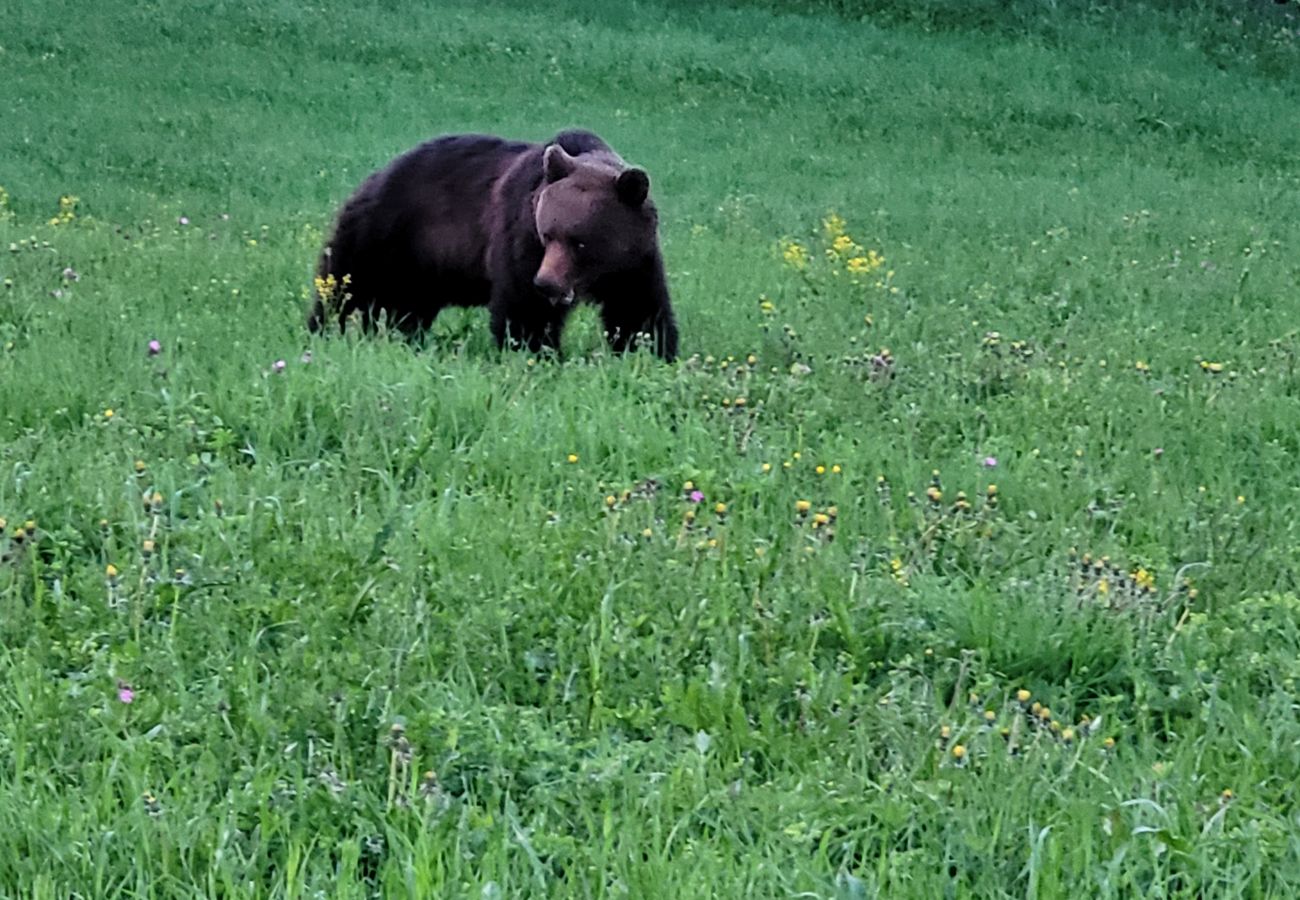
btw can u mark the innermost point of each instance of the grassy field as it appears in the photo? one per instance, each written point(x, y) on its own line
point(957, 558)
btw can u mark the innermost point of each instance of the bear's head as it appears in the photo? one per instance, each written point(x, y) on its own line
point(594, 219)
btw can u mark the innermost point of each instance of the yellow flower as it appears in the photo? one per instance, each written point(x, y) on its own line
point(610, 500)
point(842, 243)
point(834, 226)
point(1109, 743)
point(959, 752)
point(767, 467)
point(820, 470)
point(802, 506)
point(1023, 695)
point(835, 470)
point(795, 255)
point(573, 457)
point(110, 571)
point(720, 508)
point(108, 414)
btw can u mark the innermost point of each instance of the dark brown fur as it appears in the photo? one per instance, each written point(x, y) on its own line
point(522, 228)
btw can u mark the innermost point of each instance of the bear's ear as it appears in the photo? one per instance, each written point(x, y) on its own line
point(632, 186)
point(556, 163)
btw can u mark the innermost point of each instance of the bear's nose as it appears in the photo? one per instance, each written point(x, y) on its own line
point(548, 285)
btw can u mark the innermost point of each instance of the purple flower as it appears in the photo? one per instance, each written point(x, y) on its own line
point(277, 366)
point(990, 462)
point(124, 692)
point(155, 348)
point(696, 496)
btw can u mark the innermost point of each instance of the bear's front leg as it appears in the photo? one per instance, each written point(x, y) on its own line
point(526, 320)
point(625, 329)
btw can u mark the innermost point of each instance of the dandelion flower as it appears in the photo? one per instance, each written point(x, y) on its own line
point(959, 752)
point(572, 458)
point(720, 508)
point(802, 506)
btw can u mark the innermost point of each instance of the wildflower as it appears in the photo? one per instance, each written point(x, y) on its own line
point(610, 500)
point(833, 225)
point(1108, 744)
point(183, 220)
point(990, 462)
point(959, 752)
point(151, 804)
point(719, 508)
point(835, 470)
point(1067, 735)
point(1158, 452)
point(767, 307)
point(695, 496)
point(1213, 368)
point(110, 572)
point(1023, 695)
point(688, 486)
point(795, 255)
point(108, 413)
point(767, 467)
point(990, 716)
point(1142, 367)
point(945, 732)
point(278, 366)
point(647, 532)
point(751, 359)
point(573, 458)
point(934, 494)
point(820, 470)
point(802, 506)
point(1226, 796)
point(125, 693)
point(147, 548)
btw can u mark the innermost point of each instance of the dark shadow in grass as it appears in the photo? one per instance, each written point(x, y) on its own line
point(1035, 636)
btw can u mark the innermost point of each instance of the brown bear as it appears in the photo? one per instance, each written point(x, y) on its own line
point(522, 228)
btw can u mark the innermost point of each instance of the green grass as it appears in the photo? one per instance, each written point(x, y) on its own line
point(614, 700)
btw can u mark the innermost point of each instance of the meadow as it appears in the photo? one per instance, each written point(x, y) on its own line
point(956, 558)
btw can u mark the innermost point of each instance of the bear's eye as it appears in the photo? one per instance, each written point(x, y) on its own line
point(579, 246)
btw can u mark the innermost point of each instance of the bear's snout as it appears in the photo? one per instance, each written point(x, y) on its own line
point(555, 277)
point(557, 293)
